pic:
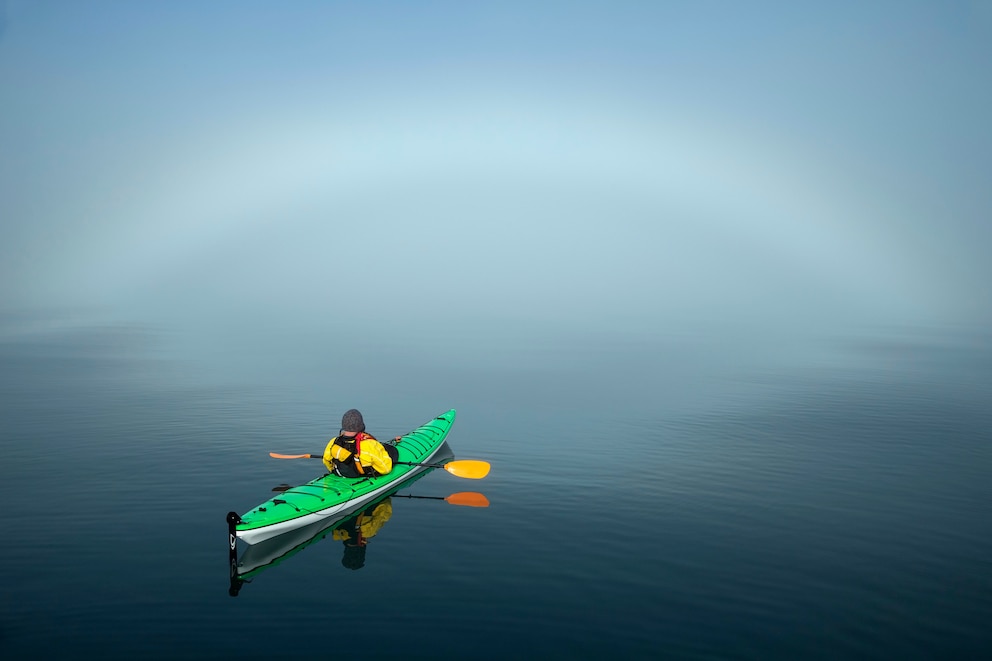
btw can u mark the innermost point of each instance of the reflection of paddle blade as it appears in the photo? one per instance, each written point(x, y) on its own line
point(468, 498)
point(469, 468)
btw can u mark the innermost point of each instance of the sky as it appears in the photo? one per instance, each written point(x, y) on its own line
point(652, 166)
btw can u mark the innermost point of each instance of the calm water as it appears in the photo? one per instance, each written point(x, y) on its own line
point(640, 508)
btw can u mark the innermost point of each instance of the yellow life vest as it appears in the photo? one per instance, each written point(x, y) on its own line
point(371, 459)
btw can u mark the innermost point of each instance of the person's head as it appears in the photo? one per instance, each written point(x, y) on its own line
point(352, 421)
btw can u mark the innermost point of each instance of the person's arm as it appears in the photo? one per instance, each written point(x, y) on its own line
point(374, 456)
point(328, 457)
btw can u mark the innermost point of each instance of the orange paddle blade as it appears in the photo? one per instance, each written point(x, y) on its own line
point(276, 455)
point(469, 468)
point(468, 498)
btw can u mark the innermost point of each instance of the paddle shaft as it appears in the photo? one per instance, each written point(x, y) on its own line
point(407, 463)
point(320, 456)
point(467, 468)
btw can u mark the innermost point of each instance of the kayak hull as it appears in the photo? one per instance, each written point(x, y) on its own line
point(329, 497)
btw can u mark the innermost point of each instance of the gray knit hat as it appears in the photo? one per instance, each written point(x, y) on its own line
point(352, 421)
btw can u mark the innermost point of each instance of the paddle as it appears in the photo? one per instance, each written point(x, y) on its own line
point(467, 498)
point(467, 468)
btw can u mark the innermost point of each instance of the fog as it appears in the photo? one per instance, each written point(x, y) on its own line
point(436, 174)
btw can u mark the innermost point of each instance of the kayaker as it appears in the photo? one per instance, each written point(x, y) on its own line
point(356, 453)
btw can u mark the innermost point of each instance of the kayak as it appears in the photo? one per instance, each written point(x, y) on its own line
point(273, 551)
point(330, 496)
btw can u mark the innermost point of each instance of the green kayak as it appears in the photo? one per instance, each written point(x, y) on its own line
point(272, 552)
point(331, 496)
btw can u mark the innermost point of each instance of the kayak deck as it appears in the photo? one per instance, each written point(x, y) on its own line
point(330, 494)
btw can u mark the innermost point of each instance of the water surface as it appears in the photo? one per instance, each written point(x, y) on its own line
point(832, 509)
